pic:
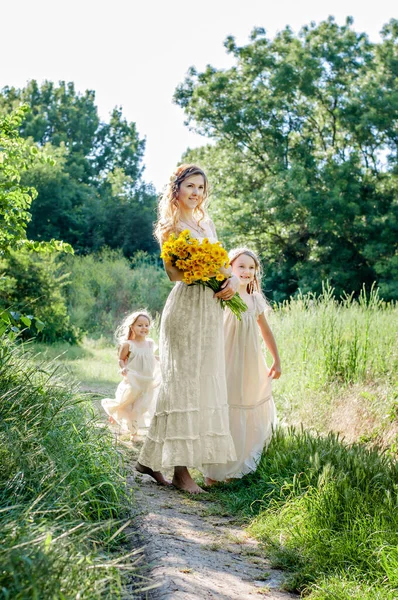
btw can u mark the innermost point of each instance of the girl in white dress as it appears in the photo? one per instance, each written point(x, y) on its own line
point(133, 406)
point(252, 411)
point(190, 427)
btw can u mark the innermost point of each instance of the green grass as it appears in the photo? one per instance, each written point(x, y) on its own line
point(63, 498)
point(353, 390)
point(93, 363)
point(325, 512)
point(339, 365)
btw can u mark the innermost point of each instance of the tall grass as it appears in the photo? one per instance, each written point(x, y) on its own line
point(346, 341)
point(63, 496)
point(337, 353)
point(326, 512)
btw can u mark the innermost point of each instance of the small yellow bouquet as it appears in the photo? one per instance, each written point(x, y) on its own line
point(201, 262)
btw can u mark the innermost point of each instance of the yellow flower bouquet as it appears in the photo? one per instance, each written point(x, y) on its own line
point(201, 263)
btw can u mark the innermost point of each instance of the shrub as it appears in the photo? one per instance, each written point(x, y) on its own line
point(104, 287)
point(33, 285)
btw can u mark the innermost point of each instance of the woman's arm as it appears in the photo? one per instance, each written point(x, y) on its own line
point(173, 273)
point(231, 284)
point(268, 337)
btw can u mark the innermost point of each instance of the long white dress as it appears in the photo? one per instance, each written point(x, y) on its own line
point(191, 424)
point(134, 404)
point(252, 412)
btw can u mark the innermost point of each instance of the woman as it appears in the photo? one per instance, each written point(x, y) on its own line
point(190, 427)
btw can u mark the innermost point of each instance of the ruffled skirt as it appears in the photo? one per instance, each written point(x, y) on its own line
point(191, 423)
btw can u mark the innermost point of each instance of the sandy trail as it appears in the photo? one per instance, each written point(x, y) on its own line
point(195, 550)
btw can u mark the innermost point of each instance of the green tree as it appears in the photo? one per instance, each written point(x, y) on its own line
point(16, 156)
point(304, 159)
point(20, 269)
point(77, 200)
point(60, 116)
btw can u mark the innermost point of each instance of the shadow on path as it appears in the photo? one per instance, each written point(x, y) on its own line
point(194, 550)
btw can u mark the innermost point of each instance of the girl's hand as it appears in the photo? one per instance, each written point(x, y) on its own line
point(228, 288)
point(275, 370)
point(123, 371)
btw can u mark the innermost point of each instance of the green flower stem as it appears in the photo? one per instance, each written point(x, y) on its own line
point(235, 305)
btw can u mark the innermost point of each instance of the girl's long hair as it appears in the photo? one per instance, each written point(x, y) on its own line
point(255, 285)
point(122, 333)
point(169, 209)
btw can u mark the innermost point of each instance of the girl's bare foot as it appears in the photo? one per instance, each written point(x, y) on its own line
point(183, 481)
point(209, 482)
point(157, 476)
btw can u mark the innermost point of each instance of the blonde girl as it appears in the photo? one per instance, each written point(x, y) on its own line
point(133, 405)
point(252, 411)
point(190, 427)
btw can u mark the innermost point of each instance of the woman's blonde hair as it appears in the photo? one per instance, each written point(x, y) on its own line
point(169, 209)
point(122, 333)
point(255, 285)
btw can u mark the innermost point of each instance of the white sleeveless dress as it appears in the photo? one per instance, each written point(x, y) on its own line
point(191, 424)
point(252, 412)
point(134, 404)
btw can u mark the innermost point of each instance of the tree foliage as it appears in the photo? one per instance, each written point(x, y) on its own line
point(19, 270)
point(33, 292)
point(16, 157)
point(304, 160)
point(94, 195)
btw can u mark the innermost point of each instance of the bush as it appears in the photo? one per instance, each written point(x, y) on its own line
point(104, 287)
point(33, 285)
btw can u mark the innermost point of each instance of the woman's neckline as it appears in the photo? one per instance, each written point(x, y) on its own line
point(198, 228)
point(200, 232)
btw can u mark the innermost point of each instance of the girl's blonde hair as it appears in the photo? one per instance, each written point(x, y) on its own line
point(255, 285)
point(169, 209)
point(122, 333)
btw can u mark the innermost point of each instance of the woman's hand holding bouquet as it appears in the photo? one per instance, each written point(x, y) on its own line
point(201, 262)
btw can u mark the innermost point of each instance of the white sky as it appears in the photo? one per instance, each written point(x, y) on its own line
point(134, 53)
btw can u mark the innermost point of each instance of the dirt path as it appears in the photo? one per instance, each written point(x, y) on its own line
point(195, 550)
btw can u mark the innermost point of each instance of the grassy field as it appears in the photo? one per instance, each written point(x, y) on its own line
point(340, 366)
point(339, 361)
point(324, 506)
point(325, 512)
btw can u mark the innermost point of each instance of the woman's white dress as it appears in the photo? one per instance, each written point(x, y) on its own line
point(134, 404)
point(252, 412)
point(191, 424)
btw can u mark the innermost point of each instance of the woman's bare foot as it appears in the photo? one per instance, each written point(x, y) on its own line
point(183, 481)
point(157, 476)
point(111, 420)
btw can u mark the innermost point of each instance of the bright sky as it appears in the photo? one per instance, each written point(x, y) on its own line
point(134, 53)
